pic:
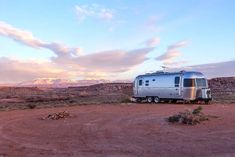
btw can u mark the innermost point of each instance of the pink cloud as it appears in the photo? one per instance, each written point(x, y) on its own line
point(70, 62)
point(153, 42)
point(108, 61)
point(16, 70)
point(27, 38)
point(172, 52)
point(19, 35)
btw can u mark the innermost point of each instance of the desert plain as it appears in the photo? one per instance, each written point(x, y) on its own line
point(103, 122)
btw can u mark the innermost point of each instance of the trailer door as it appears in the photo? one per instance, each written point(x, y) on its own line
point(137, 87)
point(177, 87)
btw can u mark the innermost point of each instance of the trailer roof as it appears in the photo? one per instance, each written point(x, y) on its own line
point(186, 74)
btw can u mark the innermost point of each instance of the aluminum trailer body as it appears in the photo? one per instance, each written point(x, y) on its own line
point(183, 85)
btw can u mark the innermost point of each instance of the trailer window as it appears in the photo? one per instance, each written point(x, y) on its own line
point(140, 82)
point(201, 82)
point(189, 82)
point(177, 81)
point(147, 83)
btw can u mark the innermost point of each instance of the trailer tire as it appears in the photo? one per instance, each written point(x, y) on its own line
point(207, 102)
point(156, 99)
point(138, 100)
point(166, 101)
point(149, 99)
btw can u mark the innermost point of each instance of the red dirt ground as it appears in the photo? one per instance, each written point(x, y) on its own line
point(117, 131)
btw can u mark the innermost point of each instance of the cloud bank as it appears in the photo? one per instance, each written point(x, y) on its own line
point(114, 61)
point(69, 58)
point(70, 62)
point(13, 70)
point(212, 70)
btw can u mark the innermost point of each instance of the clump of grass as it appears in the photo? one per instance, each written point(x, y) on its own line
point(189, 117)
point(126, 100)
point(72, 101)
point(31, 106)
point(197, 110)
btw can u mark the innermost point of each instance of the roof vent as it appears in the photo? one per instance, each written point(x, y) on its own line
point(159, 72)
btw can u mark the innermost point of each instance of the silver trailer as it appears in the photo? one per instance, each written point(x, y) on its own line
point(186, 86)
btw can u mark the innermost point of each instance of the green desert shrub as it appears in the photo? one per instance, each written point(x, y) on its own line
point(189, 117)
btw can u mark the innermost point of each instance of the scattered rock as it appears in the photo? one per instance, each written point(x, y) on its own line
point(57, 116)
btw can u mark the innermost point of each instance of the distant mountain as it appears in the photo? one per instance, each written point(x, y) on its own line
point(59, 83)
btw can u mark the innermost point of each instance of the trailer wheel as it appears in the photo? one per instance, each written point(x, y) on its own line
point(149, 99)
point(138, 100)
point(207, 102)
point(156, 99)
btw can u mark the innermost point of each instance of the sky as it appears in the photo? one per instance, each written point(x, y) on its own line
point(114, 40)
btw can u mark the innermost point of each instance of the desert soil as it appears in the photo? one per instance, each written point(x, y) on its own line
point(136, 130)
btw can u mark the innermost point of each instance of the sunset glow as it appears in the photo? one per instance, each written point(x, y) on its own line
point(114, 40)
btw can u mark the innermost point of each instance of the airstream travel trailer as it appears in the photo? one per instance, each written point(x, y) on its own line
point(172, 86)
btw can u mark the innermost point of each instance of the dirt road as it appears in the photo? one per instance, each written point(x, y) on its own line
point(117, 131)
